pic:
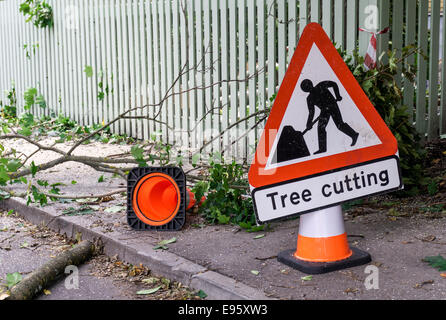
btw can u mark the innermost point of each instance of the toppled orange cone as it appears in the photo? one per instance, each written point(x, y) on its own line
point(157, 198)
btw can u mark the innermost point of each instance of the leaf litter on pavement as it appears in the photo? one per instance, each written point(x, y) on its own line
point(437, 262)
point(83, 210)
point(140, 281)
point(163, 244)
point(131, 278)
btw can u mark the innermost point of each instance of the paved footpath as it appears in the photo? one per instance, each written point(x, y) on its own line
point(220, 259)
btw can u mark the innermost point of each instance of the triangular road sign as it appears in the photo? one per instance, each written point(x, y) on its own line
point(321, 119)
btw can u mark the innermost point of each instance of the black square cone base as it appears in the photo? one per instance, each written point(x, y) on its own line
point(358, 258)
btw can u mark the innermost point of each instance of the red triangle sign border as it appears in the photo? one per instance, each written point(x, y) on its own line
point(259, 176)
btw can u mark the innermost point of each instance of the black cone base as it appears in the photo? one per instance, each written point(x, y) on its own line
point(358, 258)
point(137, 173)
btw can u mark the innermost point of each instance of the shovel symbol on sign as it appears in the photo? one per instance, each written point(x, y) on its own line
point(292, 144)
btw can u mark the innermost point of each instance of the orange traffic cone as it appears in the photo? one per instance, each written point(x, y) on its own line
point(322, 244)
point(191, 200)
point(157, 198)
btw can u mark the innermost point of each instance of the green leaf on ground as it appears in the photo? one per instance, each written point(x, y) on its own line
point(150, 280)
point(13, 165)
point(101, 179)
point(83, 210)
point(307, 278)
point(138, 153)
point(148, 291)
point(12, 279)
point(255, 272)
point(42, 183)
point(202, 294)
point(259, 236)
point(168, 241)
point(25, 131)
point(4, 195)
point(114, 209)
point(160, 247)
point(437, 262)
point(256, 228)
point(223, 219)
point(34, 169)
point(163, 244)
point(87, 200)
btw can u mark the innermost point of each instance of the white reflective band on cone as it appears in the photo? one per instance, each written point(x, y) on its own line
point(322, 223)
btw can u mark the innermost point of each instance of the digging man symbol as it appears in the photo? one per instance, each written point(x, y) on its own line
point(321, 97)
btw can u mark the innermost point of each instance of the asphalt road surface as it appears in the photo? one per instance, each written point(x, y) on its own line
point(24, 247)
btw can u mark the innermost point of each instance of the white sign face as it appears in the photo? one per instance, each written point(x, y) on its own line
point(326, 189)
point(342, 117)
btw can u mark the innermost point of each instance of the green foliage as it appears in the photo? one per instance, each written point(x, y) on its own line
point(138, 153)
point(202, 294)
point(227, 196)
point(12, 279)
point(437, 262)
point(64, 123)
point(37, 11)
point(160, 153)
point(25, 122)
point(351, 204)
point(32, 97)
point(432, 187)
point(436, 208)
point(29, 97)
point(27, 125)
point(195, 159)
point(88, 71)
point(54, 188)
point(34, 169)
point(40, 101)
point(65, 128)
point(81, 211)
point(9, 109)
point(30, 49)
point(163, 244)
point(103, 88)
point(8, 166)
point(38, 197)
point(381, 87)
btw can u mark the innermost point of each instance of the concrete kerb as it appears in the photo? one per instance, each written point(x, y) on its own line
point(163, 263)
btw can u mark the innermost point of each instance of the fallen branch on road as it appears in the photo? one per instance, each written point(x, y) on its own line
point(40, 278)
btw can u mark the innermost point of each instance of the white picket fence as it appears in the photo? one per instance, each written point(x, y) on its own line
point(138, 48)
